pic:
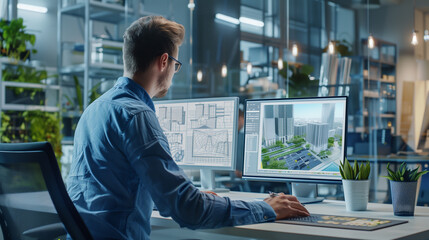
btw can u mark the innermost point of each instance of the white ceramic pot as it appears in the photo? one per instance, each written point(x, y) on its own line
point(356, 194)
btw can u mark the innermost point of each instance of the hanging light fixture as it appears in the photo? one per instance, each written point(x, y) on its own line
point(414, 40)
point(249, 68)
point(371, 42)
point(191, 4)
point(280, 64)
point(295, 50)
point(200, 76)
point(224, 71)
point(331, 47)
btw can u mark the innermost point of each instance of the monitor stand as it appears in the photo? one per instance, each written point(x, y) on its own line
point(207, 177)
point(306, 192)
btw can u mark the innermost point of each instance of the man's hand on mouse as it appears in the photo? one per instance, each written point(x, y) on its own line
point(286, 206)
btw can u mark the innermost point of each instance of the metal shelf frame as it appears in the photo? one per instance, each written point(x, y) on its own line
point(4, 106)
point(91, 11)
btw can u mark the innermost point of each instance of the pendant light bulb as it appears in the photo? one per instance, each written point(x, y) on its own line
point(371, 42)
point(224, 71)
point(249, 68)
point(200, 76)
point(294, 50)
point(414, 40)
point(280, 64)
point(191, 5)
point(331, 47)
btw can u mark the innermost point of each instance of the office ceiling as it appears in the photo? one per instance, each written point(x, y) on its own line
point(52, 4)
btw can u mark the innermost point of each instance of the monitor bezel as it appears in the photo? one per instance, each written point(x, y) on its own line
point(325, 180)
point(234, 131)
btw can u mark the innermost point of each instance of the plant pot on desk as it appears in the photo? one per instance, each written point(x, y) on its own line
point(403, 187)
point(356, 194)
point(403, 197)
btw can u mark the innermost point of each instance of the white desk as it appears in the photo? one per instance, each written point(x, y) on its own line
point(416, 228)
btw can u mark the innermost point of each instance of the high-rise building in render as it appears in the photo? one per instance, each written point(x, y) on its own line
point(269, 127)
point(317, 136)
point(284, 121)
point(269, 133)
point(278, 120)
point(339, 131)
point(300, 130)
point(331, 133)
point(328, 114)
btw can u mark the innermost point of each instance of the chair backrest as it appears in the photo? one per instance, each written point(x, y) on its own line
point(31, 183)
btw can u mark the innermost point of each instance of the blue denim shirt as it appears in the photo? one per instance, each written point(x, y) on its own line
point(122, 165)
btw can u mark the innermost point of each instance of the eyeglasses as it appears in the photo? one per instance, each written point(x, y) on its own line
point(177, 64)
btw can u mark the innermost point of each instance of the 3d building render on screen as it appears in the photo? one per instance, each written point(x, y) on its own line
point(302, 136)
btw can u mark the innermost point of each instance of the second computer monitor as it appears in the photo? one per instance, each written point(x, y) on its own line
point(201, 133)
point(295, 139)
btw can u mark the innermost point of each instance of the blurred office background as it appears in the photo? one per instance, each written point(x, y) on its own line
point(376, 52)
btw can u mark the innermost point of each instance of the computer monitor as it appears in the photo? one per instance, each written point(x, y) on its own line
point(295, 139)
point(202, 133)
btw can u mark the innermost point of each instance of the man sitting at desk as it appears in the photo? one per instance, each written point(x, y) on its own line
point(121, 158)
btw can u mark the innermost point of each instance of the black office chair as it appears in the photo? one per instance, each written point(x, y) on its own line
point(33, 195)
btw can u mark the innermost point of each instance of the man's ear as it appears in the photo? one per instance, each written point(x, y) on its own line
point(163, 62)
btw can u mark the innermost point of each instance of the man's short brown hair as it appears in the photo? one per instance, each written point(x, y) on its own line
point(147, 38)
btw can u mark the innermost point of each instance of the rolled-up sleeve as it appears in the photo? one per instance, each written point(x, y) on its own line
point(173, 193)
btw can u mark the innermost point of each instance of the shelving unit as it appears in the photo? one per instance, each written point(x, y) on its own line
point(97, 61)
point(9, 102)
point(17, 97)
point(375, 72)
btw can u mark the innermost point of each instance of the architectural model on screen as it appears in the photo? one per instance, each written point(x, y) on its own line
point(199, 133)
point(302, 137)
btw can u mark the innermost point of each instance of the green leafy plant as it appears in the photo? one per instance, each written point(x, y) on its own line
point(26, 74)
point(403, 174)
point(300, 84)
point(32, 126)
point(79, 95)
point(357, 172)
point(94, 93)
point(14, 39)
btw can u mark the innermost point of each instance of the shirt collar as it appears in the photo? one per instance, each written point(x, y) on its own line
point(141, 93)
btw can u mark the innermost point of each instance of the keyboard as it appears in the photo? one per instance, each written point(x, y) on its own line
point(344, 222)
point(309, 219)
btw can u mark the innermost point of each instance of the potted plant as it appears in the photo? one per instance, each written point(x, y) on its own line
point(355, 184)
point(25, 74)
point(32, 126)
point(14, 39)
point(403, 187)
point(300, 84)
